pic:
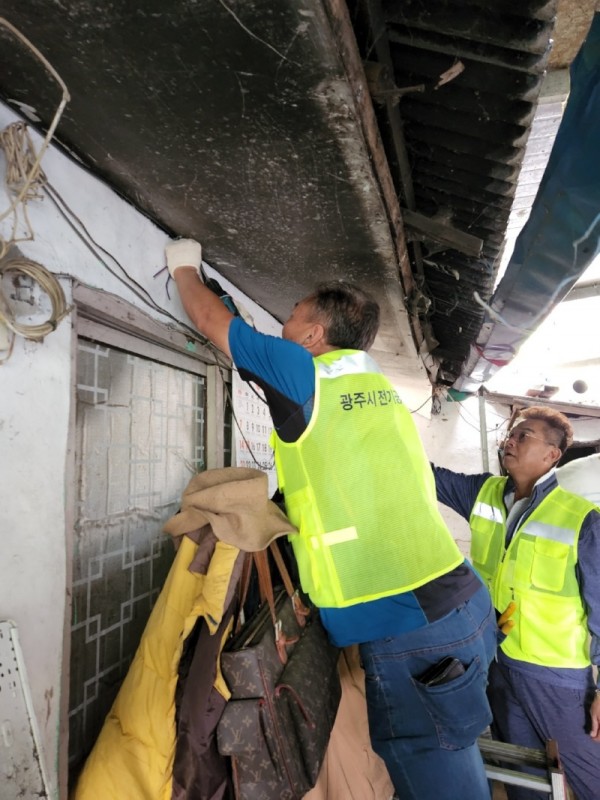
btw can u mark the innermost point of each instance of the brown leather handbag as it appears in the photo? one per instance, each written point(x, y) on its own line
point(285, 691)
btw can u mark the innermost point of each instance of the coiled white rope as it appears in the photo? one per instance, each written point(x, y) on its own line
point(48, 283)
point(26, 169)
point(24, 178)
point(25, 181)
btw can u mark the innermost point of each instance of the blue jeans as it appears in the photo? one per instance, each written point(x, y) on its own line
point(528, 712)
point(427, 734)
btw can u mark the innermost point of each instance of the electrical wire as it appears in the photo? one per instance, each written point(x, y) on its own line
point(414, 410)
point(474, 426)
point(80, 229)
point(499, 318)
point(9, 349)
point(20, 174)
point(48, 283)
point(462, 407)
point(31, 166)
point(24, 179)
point(82, 232)
point(470, 424)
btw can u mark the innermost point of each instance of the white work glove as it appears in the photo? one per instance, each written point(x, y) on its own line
point(183, 253)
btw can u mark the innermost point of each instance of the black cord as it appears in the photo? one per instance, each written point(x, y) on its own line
point(142, 293)
point(259, 464)
point(93, 246)
point(414, 410)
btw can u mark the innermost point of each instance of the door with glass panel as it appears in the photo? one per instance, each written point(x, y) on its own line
point(140, 435)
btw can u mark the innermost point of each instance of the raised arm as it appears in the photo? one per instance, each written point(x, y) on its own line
point(457, 490)
point(208, 314)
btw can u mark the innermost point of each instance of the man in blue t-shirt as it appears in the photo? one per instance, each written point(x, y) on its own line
point(426, 733)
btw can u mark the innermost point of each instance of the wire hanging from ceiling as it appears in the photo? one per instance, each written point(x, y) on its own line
point(24, 175)
point(24, 182)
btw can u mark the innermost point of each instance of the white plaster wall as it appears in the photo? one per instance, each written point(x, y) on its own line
point(35, 397)
point(34, 416)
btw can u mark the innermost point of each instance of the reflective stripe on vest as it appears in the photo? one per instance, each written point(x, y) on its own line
point(488, 528)
point(360, 490)
point(353, 363)
point(545, 531)
point(537, 570)
point(488, 512)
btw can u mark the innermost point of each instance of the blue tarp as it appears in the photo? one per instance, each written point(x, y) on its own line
point(562, 234)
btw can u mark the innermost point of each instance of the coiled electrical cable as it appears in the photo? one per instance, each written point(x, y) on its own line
point(49, 285)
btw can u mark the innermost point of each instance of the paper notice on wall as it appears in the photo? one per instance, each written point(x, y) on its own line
point(253, 430)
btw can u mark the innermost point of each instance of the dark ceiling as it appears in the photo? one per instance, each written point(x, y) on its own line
point(293, 139)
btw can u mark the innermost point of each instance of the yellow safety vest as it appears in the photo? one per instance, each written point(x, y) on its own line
point(360, 490)
point(537, 570)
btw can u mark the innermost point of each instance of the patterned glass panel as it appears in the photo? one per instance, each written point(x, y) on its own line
point(140, 437)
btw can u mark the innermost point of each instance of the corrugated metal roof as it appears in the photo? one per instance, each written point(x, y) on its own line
point(468, 76)
point(562, 235)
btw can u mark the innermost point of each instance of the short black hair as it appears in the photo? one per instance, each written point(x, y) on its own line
point(349, 314)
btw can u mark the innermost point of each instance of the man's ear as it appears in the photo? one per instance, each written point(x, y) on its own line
point(556, 455)
point(315, 335)
point(319, 333)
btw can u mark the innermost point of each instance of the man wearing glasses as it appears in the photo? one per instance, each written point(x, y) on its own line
point(537, 547)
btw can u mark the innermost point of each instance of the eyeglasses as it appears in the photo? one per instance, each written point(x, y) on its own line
point(521, 436)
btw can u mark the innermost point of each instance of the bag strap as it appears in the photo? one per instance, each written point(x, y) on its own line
point(300, 610)
point(243, 587)
point(283, 570)
point(265, 585)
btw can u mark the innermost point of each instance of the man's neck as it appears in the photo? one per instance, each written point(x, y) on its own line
point(524, 486)
point(319, 349)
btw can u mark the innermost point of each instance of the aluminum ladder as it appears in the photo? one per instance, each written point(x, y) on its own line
point(554, 784)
